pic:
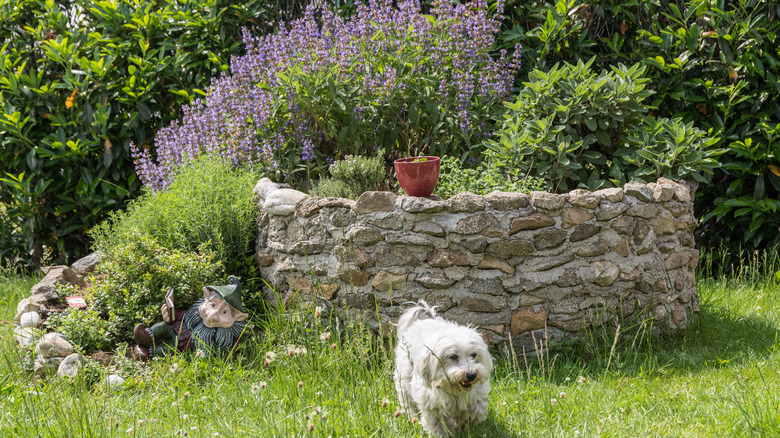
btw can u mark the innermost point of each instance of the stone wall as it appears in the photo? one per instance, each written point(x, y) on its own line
point(515, 266)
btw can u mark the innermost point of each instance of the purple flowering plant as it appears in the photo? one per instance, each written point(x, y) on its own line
point(387, 78)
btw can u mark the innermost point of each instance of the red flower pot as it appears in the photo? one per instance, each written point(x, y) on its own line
point(417, 175)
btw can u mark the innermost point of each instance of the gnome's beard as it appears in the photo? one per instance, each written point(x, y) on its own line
point(210, 337)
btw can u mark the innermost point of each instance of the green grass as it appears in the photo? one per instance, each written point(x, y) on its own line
point(720, 379)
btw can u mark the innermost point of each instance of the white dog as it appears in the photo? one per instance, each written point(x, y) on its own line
point(442, 371)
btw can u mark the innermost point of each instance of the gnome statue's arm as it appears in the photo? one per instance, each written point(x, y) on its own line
point(167, 309)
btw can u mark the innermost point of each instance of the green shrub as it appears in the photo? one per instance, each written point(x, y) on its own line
point(135, 274)
point(80, 80)
point(455, 178)
point(84, 328)
point(749, 207)
point(332, 188)
point(576, 128)
point(209, 204)
point(712, 63)
point(352, 176)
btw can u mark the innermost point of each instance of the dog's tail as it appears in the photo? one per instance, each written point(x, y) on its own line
point(421, 310)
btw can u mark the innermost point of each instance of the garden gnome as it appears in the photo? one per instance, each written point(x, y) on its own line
point(214, 322)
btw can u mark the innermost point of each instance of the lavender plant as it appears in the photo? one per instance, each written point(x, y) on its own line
point(327, 87)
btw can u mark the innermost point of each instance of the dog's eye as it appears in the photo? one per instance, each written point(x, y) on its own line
point(473, 355)
point(453, 357)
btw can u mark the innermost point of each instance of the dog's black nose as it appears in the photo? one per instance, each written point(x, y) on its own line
point(471, 375)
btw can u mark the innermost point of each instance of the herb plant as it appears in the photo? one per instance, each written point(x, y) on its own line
point(352, 176)
point(456, 177)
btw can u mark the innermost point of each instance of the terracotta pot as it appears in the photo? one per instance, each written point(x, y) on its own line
point(417, 177)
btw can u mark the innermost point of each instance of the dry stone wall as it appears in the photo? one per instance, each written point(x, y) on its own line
point(517, 267)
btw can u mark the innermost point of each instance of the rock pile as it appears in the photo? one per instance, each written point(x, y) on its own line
point(51, 352)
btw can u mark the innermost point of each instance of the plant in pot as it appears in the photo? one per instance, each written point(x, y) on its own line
point(417, 175)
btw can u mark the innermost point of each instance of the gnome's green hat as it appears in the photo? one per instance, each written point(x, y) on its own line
point(231, 292)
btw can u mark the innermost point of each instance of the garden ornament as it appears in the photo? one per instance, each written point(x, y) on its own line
point(216, 321)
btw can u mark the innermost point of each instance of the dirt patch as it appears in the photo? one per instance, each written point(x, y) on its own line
point(104, 358)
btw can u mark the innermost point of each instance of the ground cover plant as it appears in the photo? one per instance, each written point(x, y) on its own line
point(455, 177)
point(300, 376)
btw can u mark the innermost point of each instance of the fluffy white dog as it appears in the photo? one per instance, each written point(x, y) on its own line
point(442, 371)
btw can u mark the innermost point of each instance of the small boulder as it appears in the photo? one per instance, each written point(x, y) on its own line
point(53, 345)
point(282, 202)
point(71, 365)
point(113, 382)
point(87, 264)
point(30, 319)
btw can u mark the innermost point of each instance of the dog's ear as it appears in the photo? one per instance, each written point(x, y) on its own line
point(427, 366)
point(485, 358)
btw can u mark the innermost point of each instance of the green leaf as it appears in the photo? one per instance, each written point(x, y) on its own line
point(144, 112)
point(595, 157)
point(603, 138)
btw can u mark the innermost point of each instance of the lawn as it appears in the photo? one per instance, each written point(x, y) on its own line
point(720, 378)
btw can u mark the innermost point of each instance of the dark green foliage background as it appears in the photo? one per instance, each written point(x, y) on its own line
point(713, 63)
point(132, 66)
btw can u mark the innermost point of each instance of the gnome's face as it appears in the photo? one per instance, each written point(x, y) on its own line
point(217, 312)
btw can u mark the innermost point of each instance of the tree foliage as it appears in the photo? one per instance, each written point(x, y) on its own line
point(79, 81)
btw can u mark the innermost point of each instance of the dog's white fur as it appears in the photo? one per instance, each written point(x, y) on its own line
point(442, 371)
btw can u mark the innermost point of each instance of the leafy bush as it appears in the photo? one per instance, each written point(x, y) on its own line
point(711, 63)
point(80, 80)
point(352, 176)
point(750, 204)
point(209, 204)
point(84, 328)
point(455, 178)
point(575, 128)
point(135, 275)
point(384, 78)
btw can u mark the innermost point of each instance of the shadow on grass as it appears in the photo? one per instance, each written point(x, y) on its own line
point(717, 338)
point(720, 338)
